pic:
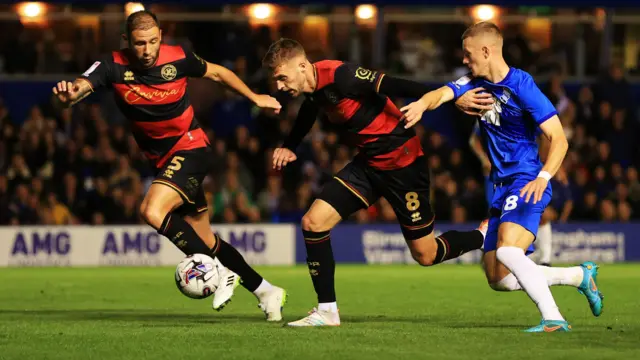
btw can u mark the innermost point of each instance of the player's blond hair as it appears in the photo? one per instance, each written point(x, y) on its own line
point(484, 27)
point(281, 51)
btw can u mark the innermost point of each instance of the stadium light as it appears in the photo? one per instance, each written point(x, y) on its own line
point(261, 11)
point(484, 12)
point(131, 7)
point(365, 12)
point(31, 9)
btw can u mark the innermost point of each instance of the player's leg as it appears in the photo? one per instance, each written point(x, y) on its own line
point(518, 225)
point(407, 190)
point(272, 298)
point(347, 193)
point(582, 277)
point(157, 210)
point(543, 239)
point(501, 279)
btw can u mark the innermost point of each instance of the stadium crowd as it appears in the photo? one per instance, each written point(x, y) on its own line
point(73, 166)
point(81, 165)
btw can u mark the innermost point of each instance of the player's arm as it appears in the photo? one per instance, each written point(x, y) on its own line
point(227, 77)
point(197, 67)
point(433, 99)
point(558, 145)
point(541, 110)
point(70, 93)
point(355, 80)
point(96, 76)
point(307, 116)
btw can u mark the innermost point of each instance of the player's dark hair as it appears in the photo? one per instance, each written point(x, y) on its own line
point(282, 50)
point(483, 27)
point(141, 20)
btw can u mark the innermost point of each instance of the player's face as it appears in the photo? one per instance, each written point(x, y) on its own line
point(475, 56)
point(145, 44)
point(289, 78)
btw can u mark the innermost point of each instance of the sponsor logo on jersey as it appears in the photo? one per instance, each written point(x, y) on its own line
point(135, 93)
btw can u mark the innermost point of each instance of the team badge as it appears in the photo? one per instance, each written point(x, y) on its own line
point(128, 76)
point(168, 72)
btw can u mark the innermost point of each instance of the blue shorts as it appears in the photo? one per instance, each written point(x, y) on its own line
point(508, 206)
point(488, 190)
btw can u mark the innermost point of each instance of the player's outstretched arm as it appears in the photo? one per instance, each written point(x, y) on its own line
point(429, 101)
point(225, 76)
point(71, 93)
point(558, 145)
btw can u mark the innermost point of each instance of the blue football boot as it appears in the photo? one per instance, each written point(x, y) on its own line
point(589, 287)
point(550, 326)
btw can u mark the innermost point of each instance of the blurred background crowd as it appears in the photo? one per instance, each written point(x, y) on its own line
point(82, 166)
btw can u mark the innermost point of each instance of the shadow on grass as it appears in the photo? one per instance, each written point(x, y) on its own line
point(129, 315)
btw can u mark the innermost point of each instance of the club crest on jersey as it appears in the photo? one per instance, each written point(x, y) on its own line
point(506, 95)
point(128, 76)
point(168, 72)
point(365, 74)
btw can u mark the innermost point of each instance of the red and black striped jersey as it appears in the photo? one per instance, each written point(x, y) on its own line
point(349, 96)
point(154, 99)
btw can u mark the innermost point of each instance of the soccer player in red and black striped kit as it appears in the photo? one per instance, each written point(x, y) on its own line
point(390, 163)
point(149, 81)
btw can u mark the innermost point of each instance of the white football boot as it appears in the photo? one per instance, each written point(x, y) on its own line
point(228, 282)
point(318, 318)
point(272, 301)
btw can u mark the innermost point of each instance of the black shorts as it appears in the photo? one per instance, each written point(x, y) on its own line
point(407, 190)
point(184, 172)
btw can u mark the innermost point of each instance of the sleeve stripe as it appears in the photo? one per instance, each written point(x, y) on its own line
point(547, 117)
point(379, 82)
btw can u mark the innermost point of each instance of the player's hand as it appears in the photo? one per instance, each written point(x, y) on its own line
point(473, 102)
point(283, 156)
point(413, 113)
point(534, 188)
point(66, 91)
point(268, 102)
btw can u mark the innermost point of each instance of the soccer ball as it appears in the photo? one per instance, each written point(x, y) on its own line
point(197, 276)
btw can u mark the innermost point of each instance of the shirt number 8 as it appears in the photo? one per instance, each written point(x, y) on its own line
point(412, 201)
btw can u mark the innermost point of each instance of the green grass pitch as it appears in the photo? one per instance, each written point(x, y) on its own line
point(388, 312)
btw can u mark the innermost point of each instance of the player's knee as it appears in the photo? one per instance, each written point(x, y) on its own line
point(152, 215)
point(312, 222)
point(423, 258)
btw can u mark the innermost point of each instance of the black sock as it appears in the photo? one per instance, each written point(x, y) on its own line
point(182, 235)
point(232, 259)
point(322, 266)
point(455, 243)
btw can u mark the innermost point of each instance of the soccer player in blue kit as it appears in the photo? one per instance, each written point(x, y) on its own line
point(521, 182)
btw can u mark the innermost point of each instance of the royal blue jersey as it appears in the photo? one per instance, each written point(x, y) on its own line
point(509, 130)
